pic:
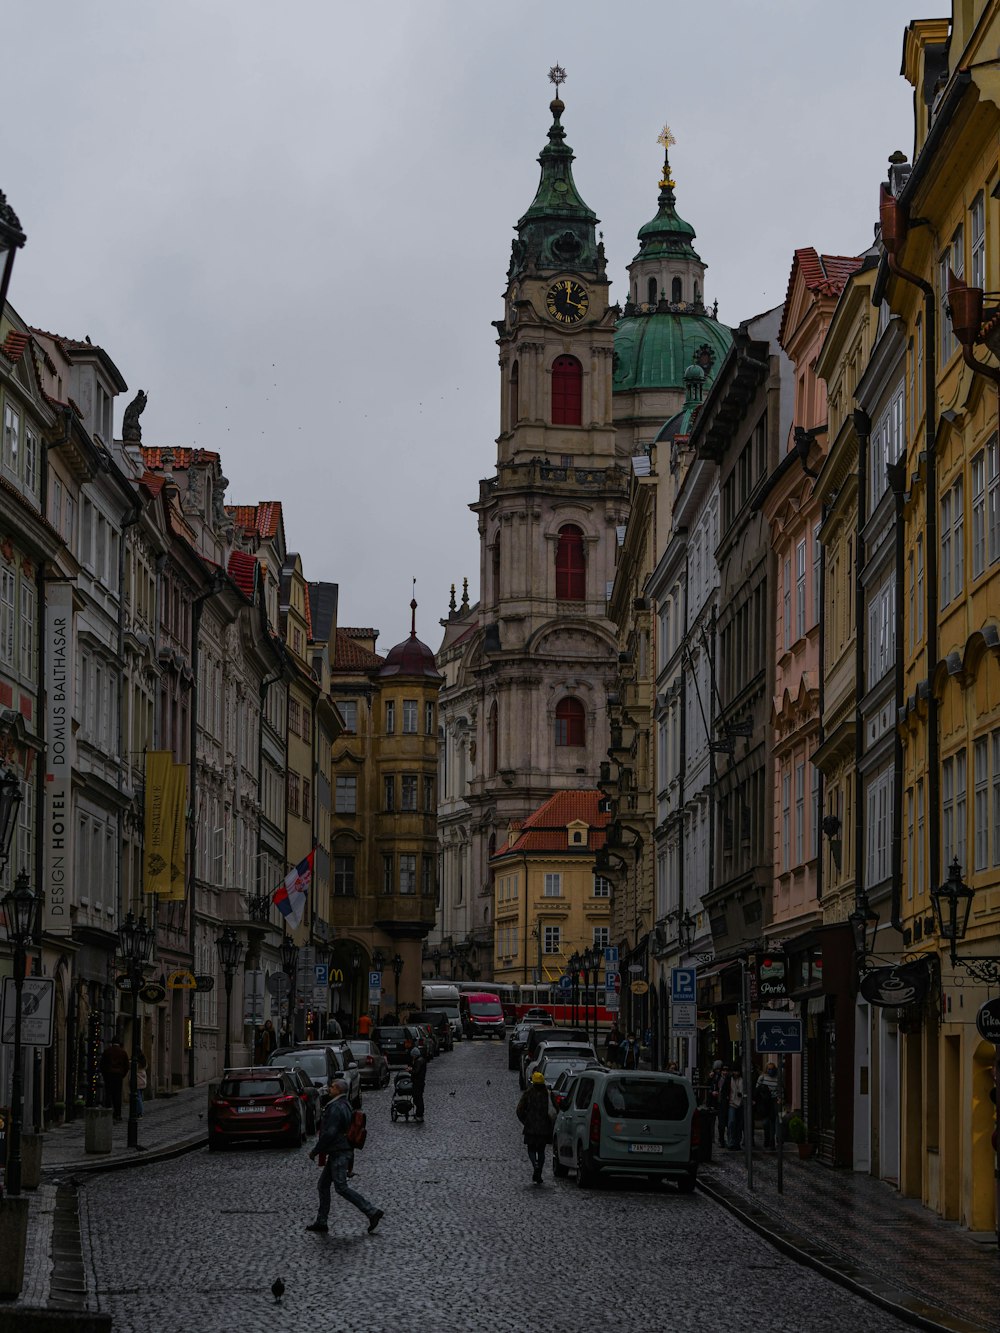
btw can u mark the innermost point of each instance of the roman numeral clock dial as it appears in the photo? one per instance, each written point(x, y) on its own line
point(567, 301)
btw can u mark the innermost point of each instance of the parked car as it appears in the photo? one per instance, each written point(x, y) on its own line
point(256, 1103)
point(372, 1064)
point(518, 1039)
point(439, 1024)
point(554, 1057)
point(540, 1017)
point(323, 1061)
point(538, 1036)
point(396, 1042)
point(309, 1096)
point(431, 1047)
point(630, 1123)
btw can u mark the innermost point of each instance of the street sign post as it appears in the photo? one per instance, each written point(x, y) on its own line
point(374, 988)
point(37, 1004)
point(683, 1019)
point(611, 957)
point(778, 1034)
point(684, 985)
point(565, 983)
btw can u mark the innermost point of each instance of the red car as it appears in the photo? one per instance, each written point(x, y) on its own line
point(256, 1104)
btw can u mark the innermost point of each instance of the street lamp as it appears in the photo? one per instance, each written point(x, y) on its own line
point(397, 967)
point(574, 971)
point(863, 917)
point(21, 908)
point(591, 962)
point(11, 240)
point(135, 943)
point(230, 950)
point(953, 907)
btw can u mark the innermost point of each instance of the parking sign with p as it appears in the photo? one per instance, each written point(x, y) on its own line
point(683, 985)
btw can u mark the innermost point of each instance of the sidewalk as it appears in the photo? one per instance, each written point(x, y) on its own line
point(867, 1235)
point(57, 1293)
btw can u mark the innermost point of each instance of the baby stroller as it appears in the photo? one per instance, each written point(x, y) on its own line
point(402, 1096)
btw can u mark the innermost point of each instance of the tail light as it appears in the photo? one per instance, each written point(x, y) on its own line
point(284, 1100)
point(695, 1132)
point(220, 1101)
point(303, 1096)
point(595, 1123)
point(369, 1059)
point(407, 1044)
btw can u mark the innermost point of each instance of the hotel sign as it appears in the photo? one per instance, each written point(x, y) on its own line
point(58, 822)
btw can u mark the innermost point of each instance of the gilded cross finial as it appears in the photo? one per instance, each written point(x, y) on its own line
point(557, 75)
point(665, 137)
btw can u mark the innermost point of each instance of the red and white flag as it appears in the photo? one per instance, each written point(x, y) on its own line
point(290, 896)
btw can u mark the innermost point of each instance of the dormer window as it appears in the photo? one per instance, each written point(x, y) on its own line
point(576, 832)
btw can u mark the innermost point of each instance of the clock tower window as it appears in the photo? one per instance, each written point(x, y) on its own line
point(567, 391)
point(571, 565)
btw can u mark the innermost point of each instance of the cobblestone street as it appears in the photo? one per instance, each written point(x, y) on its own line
point(467, 1241)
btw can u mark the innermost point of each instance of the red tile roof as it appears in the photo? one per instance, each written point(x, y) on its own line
point(545, 830)
point(263, 519)
point(348, 655)
point(243, 572)
point(14, 345)
point(182, 458)
point(153, 483)
point(354, 633)
point(826, 275)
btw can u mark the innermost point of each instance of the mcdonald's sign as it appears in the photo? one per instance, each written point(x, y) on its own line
point(336, 976)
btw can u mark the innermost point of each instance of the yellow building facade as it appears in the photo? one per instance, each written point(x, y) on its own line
point(941, 225)
point(549, 900)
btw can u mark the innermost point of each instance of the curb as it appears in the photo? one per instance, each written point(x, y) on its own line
point(148, 1158)
point(910, 1309)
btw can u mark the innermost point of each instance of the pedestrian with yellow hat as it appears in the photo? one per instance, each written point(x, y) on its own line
point(534, 1110)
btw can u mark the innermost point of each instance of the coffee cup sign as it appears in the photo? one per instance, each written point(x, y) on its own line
point(988, 1021)
point(894, 987)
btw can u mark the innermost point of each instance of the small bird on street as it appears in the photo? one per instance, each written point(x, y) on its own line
point(278, 1288)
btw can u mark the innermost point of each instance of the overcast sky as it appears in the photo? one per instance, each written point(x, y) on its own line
point(290, 223)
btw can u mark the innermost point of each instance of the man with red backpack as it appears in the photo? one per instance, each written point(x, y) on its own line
point(336, 1149)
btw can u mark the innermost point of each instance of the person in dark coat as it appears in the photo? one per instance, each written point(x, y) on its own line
point(534, 1111)
point(336, 1152)
point(115, 1066)
point(418, 1073)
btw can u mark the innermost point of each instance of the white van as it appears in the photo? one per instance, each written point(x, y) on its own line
point(439, 995)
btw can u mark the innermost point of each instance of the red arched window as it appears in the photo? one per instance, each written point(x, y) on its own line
point(515, 407)
point(493, 730)
point(571, 565)
point(571, 723)
point(567, 391)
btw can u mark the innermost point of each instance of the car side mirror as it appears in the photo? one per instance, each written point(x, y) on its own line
point(352, 1064)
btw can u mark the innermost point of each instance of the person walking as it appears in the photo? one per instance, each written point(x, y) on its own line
point(534, 1110)
point(418, 1073)
point(365, 1025)
point(613, 1044)
point(114, 1067)
point(765, 1102)
point(736, 1111)
point(337, 1152)
point(140, 1083)
point(629, 1052)
point(718, 1098)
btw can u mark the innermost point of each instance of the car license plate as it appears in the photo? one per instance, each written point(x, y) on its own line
point(249, 1110)
point(646, 1147)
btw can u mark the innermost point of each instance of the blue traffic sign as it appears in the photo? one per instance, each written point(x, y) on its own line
point(779, 1036)
point(683, 984)
point(611, 957)
point(565, 983)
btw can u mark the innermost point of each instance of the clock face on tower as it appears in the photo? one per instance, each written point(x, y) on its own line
point(567, 301)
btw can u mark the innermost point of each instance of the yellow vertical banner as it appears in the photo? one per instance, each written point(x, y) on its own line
point(159, 831)
point(178, 842)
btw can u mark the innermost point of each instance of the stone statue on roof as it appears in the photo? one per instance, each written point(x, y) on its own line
point(131, 429)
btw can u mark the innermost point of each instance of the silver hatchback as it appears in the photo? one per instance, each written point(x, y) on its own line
point(628, 1123)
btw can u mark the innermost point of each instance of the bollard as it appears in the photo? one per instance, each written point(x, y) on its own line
point(97, 1129)
point(31, 1160)
point(13, 1239)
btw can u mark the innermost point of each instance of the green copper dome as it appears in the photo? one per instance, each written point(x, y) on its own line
point(667, 234)
point(653, 351)
point(557, 231)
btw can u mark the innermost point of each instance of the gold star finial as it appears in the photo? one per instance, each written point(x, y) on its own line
point(557, 75)
point(665, 137)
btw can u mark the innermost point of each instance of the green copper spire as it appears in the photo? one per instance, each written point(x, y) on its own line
point(667, 233)
point(557, 231)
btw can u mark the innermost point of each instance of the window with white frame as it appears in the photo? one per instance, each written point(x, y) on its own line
point(920, 585)
point(800, 589)
point(348, 709)
point(27, 644)
point(11, 437)
point(948, 809)
point(786, 819)
point(995, 747)
point(30, 459)
point(978, 514)
point(881, 631)
point(961, 805)
point(409, 792)
point(602, 886)
point(993, 499)
point(409, 717)
point(817, 567)
point(551, 940)
point(346, 797)
point(390, 717)
point(954, 259)
point(981, 803)
point(952, 539)
point(878, 806)
point(977, 242)
point(388, 872)
point(8, 612)
point(909, 844)
point(800, 813)
point(602, 936)
point(786, 603)
point(920, 835)
point(553, 886)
